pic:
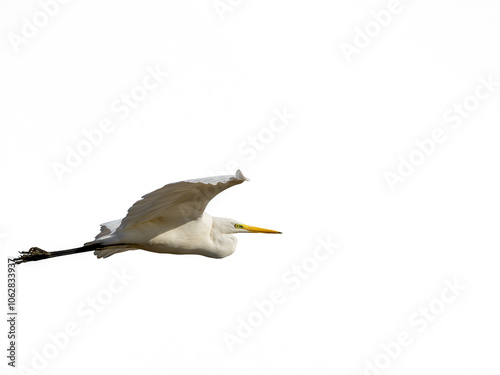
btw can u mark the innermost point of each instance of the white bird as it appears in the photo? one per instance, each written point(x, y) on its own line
point(171, 220)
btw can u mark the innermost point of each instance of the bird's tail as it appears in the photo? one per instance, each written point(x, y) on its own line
point(106, 241)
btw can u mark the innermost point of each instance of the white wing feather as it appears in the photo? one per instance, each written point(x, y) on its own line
point(172, 205)
point(179, 202)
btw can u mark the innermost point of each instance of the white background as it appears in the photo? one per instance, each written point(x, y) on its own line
point(321, 176)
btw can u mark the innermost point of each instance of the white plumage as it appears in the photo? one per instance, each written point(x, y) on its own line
point(172, 220)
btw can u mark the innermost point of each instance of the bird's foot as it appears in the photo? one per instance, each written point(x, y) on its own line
point(35, 253)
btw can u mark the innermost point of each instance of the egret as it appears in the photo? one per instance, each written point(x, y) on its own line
point(171, 220)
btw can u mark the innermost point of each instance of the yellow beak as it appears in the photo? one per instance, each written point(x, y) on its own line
point(258, 230)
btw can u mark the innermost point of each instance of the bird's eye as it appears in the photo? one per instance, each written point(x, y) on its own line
point(238, 226)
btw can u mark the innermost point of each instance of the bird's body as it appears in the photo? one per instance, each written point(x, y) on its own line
point(168, 220)
point(198, 236)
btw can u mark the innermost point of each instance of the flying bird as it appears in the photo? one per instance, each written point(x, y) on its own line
point(170, 220)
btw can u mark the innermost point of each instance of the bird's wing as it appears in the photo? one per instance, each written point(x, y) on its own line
point(179, 202)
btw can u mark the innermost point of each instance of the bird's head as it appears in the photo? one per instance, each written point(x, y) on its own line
point(230, 226)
